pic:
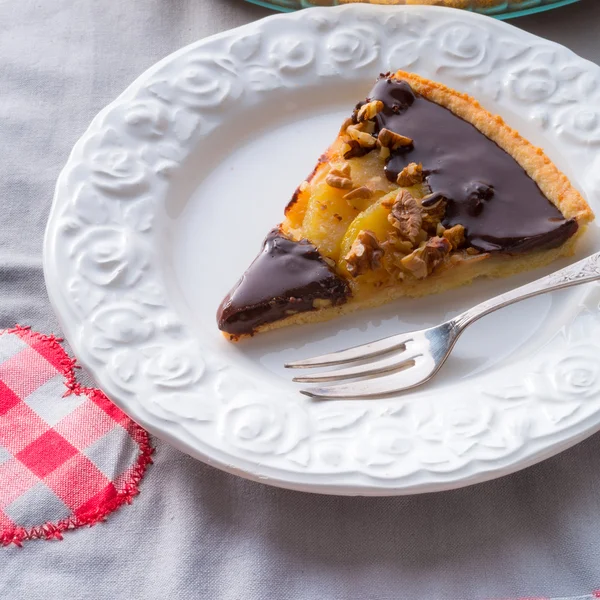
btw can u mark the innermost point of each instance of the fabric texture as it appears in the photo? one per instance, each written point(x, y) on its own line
point(195, 532)
point(68, 455)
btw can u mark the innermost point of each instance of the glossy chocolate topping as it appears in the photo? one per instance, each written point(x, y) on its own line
point(285, 278)
point(487, 191)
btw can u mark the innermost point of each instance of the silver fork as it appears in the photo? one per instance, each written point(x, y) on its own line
point(402, 362)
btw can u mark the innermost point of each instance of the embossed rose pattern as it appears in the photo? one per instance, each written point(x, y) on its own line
point(207, 82)
point(123, 368)
point(113, 334)
point(462, 418)
point(292, 54)
point(572, 377)
point(263, 424)
point(109, 256)
point(384, 441)
point(533, 84)
point(357, 47)
point(463, 48)
point(174, 368)
point(122, 324)
point(404, 54)
point(581, 124)
point(148, 119)
point(118, 171)
point(126, 324)
point(333, 453)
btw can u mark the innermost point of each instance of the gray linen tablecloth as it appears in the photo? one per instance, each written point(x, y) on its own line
point(195, 532)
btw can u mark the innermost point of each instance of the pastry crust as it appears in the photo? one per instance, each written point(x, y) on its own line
point(553, 183)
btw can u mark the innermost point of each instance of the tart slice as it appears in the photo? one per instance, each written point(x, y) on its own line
point(423, 190)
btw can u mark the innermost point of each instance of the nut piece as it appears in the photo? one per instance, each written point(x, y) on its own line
point(352, 149)
point(341, 169)
point(329, 261)
point(432, 215)
point(365, 140)
point(425, 259)
point(361, 193)
point(455, 235)
point(365, 254)
point(398, 245)
point(410, 175)
point(367, 126)
point(406, 216)
point(335, 181)
point(395, 249)
point(391, 140)
point(369, 110)
point(321, 303)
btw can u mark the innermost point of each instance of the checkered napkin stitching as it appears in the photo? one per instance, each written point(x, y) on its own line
point(594, 595)
point(55, 455)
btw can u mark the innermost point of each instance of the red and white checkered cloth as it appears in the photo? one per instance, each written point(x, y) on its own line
point(593, 596)
point(68, 455)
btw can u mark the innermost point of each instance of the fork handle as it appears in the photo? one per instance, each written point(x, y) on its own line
point(584, 271)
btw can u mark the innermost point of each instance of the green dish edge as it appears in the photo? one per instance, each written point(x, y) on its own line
point(503, 16)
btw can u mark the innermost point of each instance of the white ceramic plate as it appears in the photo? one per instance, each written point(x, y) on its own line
point(166, 199)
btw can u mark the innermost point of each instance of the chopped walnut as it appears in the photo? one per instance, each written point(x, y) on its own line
point(455, 235)
point(422, 237)
point(388, 202)
point(392, 140)
point(321, 303)
point(364, 139)
point(329, 261)
point(365, 254)
point(405, 216)
point(352, 149)
point(368, 126)
point(461, 258)
point(410, 175)
point(342, 169)
point(342, 183)
point(361, 193)
point(399, 245)
point(392, 261)
point(369, 110)
point(425, 259)
point(384, 152)
point(395, 249)
point(432, 215)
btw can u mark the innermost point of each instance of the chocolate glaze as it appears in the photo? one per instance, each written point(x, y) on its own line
point(487, 191)
point(285, 276)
